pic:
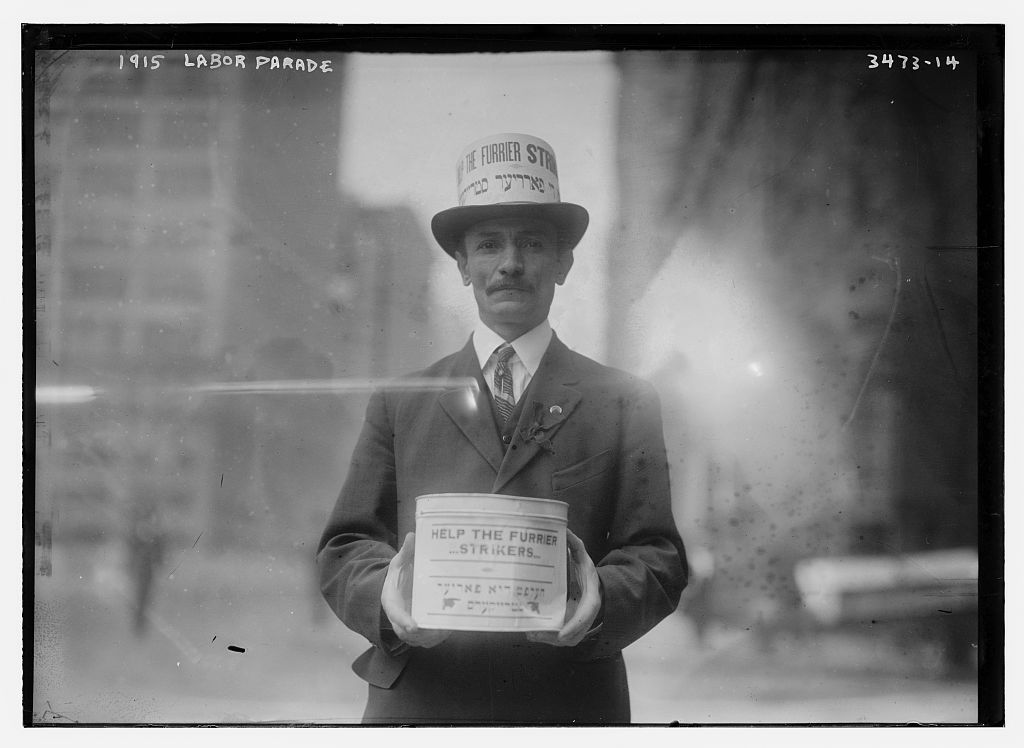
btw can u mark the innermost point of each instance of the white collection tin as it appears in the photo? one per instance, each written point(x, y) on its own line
point(486, 562)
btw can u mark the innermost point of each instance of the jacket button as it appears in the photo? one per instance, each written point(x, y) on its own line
point(506, 438)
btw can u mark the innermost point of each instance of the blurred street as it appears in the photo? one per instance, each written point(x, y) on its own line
point(90, 667)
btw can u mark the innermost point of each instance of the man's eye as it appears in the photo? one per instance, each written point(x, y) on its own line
point(487, 245)
point(531, 244)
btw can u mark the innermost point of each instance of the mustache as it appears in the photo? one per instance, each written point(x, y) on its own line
point(507, 286)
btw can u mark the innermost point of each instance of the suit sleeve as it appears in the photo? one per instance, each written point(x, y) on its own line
point(644, 570)
point(360, 538)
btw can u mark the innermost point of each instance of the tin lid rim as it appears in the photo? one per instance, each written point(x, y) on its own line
point(450, 513)
point(490, 496)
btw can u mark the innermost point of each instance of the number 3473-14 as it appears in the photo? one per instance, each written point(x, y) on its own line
point(910, 61)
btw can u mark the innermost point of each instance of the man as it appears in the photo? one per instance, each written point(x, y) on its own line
point(542, 421)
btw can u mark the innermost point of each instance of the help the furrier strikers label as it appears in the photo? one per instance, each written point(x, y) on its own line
point(488, 575)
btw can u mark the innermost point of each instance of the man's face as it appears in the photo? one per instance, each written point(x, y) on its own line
point(513, 265)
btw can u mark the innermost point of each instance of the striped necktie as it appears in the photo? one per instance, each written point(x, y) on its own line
point(502, 389)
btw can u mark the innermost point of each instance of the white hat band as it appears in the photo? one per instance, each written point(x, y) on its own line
point(507, 168)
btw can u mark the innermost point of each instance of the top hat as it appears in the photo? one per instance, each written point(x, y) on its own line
point(503, 175)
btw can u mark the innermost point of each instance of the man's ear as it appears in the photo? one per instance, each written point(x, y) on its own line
point(460, 260)
point(565, 258)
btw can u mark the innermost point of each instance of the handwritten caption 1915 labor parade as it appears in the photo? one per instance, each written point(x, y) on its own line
point(217, 60)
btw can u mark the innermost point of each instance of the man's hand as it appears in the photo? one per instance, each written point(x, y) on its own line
point(396, 600)
point(584, 601)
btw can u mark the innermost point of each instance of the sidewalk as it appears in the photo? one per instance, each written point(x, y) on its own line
point(295, 666)
point(818, 680)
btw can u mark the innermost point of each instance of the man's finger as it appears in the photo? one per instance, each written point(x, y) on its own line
point(577, 626)
point(405, 553)
point(590, 597)
point(392, 600)
point(394, 607)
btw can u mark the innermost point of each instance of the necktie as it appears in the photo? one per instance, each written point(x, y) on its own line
point(502, 389)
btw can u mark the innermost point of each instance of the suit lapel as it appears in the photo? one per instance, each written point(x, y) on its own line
point(549, 402)
point(471, 411)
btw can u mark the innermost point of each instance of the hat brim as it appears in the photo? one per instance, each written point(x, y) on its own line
point(450, 225)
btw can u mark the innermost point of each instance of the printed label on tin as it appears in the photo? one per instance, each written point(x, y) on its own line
point(489, 573)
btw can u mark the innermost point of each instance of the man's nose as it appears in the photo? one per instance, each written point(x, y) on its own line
point(511, 261)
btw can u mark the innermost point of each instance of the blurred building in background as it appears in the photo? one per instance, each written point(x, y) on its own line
point(133, 263)
point(798, 235)
point(191, 230)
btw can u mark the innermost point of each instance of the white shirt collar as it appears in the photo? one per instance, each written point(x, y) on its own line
point(530, 346)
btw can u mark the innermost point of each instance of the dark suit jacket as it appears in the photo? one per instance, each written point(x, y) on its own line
point(604, 455)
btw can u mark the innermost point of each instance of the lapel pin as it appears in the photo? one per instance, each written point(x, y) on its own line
point(555, 410)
